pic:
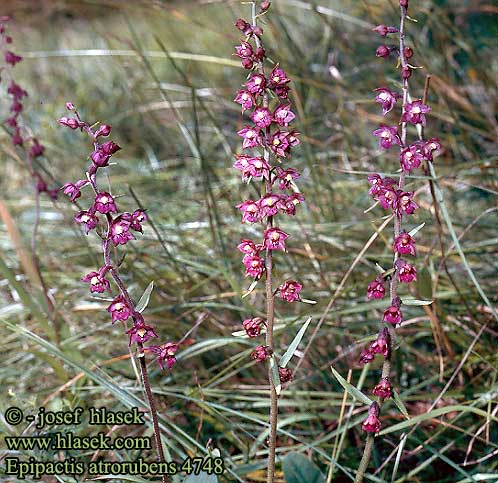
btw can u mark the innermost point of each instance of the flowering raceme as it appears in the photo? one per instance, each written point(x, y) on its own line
point(118, 227)
point(115, 228)
point(268, 141)
point(19, 133)
point(393, 196)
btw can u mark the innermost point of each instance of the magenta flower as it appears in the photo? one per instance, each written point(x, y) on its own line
point(366, 356)
point(261, 117)
point(119, 309)
point(388, 135)
point(387, 198)
point(36, 149)
point(290, 290)
point(384, 389)
point(404, 203)
point(254, 166)
point(89, 219)
point(244, 50)
point(291, 202)
point(141, 332)
point(261, 353)
point(243, 26)
point(283, 115)
point(69, 122)
point(165, 353)
point(410, 158)
point(284, 374)
point(255, 265)
point(100, 159)
point(120, 231)
point(277, 78)
point(372, 423)
point(136, 219)
point(383, 30)
point(104, 203)
point(253, 326)
point(270, 204)
point(286, 177)
point(103, 130)
point(252, 137)
point(279, 143)
point(12, 58)
point(383, 51)
point(429, 147)
point(245, 99)
point(98, 282)
point(393, 314)
point(250, 211)
point(256, 84)
point(404, 244)
point(407, 273)
point(16, 91)
point(382, 345)
point(379, 184)
point(386, 98)
point(414, 112)
point(274, 239)
point(248, 247)
point(110, 148)
point(376, 289)
point(73, 190)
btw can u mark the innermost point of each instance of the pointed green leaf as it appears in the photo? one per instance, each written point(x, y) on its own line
point(352, 390)
point(144, 299)
point(416, 302)
point(299, 469)
point(294, 344)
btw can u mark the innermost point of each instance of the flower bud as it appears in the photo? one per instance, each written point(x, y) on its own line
point(103, 130)
point(264, 6)
point(372, 423)
point(69, 122)
point(285, 374)
point(408, 51)
point(69, 106)
point(383, 51)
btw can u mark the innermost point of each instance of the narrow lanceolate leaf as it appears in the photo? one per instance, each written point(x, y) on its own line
point(294, 344)
point(399, 403)
point(144, 299)
point(352, 390)
point(416, 302)
point(416, 229)
point(275, 375)
point(250, 289)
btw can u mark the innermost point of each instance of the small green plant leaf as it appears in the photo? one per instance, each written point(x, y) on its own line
point(144, 299)
point(399, 403)
point(294, 344)
point(352, 390)
point(275, 375)
point(416, 229)
point(416, 302)
point(299, 469)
